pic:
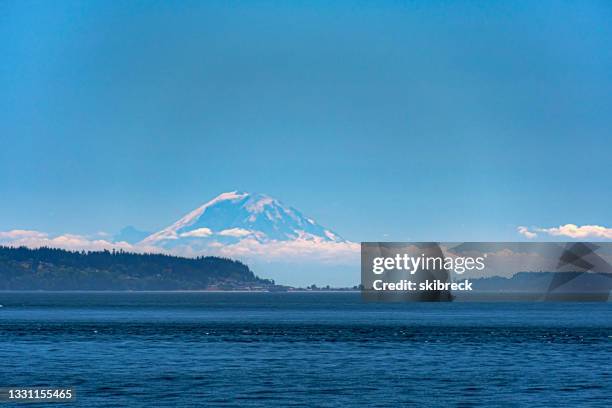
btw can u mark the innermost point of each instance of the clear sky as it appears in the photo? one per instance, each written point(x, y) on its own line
point(386, 121)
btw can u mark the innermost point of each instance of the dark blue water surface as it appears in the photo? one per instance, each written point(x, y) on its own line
point(305, 349)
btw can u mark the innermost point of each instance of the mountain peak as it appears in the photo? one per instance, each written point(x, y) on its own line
point(233, 216)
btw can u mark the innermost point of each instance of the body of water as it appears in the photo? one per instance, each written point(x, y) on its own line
point(304, 349)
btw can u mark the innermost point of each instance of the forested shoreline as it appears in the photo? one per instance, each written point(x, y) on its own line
point(57, 269)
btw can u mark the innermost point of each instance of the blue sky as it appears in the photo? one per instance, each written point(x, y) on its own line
point(395, 121)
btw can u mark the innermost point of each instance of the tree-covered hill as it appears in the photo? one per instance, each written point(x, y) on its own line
point(57, 269)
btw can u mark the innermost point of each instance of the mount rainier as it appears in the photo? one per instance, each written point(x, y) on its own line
point(235, 217)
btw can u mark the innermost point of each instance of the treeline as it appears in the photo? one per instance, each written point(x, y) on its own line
point(57, 269)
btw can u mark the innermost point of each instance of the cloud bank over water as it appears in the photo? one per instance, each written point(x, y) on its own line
point(572, 231)
point(287, 251)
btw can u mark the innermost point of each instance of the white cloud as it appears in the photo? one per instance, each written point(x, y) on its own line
point(306, 248)
point(297, 250)
point(21, 234)
point(524, 231)
point(579, 232)
point(198, 233)
point(569, 230)
point(235, 232)
point(72, 242)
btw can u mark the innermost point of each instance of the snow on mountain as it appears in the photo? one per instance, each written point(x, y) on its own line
point(235, 217)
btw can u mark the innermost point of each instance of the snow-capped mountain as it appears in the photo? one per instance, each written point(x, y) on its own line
point(275, 240)
point(236, 216)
